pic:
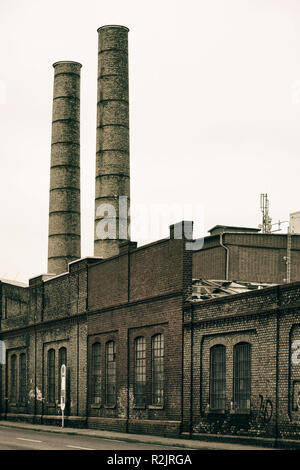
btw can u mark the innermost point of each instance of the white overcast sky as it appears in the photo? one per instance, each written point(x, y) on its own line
point(214, 113)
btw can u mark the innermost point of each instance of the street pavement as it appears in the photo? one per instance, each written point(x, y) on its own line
point(24, 439)
point(23, 436)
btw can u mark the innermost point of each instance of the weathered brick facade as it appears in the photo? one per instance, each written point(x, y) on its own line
point(141, 293)
point(250, 257)
point(137, 293)
point(269, 321)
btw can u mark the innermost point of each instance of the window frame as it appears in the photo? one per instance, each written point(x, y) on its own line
point(51, 376)
point(158, 371)
point(110, 374)
point(13, 378)
point(238, 378)
point(217, 376)
point(22, 378)
point(140, 372)
point(61, 350)
point(98, 345)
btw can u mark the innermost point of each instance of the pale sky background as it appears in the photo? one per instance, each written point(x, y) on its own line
point(214, 112)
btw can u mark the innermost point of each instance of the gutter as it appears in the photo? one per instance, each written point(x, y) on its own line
point(227, 256)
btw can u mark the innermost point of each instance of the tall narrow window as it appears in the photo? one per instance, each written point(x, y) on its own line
point(96, 373)
point(23, 377)
point(62, 359)
point(110, 373)
point(242, 376)
point(140, 371)
point(13, 375)
point(51, 376)
point(157, 369)
point(217, 377)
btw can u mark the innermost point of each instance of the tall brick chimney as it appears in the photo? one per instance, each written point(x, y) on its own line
point(64, 205)
point(112, 148)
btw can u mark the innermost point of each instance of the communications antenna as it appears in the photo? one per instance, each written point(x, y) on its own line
point(266, 225)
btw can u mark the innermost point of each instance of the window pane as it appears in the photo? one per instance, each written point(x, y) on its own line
point(22, 378)
point(62, 359)
point(51, 376)
point(242, 375)
point(96, 373)
point(13, 373)
point(158, 370)
point(110, 373)
point(140, 371)
point(217, 377)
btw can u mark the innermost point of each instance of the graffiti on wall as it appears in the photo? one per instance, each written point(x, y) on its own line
point(265, 410)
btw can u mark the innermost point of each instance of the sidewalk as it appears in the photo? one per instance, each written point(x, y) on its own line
point(145, 439)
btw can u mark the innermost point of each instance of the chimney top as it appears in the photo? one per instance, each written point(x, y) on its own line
point(113, 26)
point(66, 62)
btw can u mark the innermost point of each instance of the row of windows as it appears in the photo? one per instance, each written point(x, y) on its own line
point(18, 378)
point(107, 381)
point(241, 376)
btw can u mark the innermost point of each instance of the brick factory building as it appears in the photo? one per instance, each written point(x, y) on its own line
point(158, 339)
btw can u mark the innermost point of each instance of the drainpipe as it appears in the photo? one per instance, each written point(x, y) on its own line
point(191, 372)
point(227, 256)
point(277, 365)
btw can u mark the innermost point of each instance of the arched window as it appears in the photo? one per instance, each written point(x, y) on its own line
point(96, 373)
point(62, 359)
point(13, 375)
point(51, 376)
point(110, 373)
point(22, 377)
point(140, 371)
point(217, 377)
point(242, 376)
point(157, 360)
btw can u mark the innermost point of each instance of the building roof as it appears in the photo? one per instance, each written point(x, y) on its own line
point(205, 289)
point(14, 283)
point(229, 228)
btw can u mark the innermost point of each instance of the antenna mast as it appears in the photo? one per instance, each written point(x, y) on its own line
point(266, 225)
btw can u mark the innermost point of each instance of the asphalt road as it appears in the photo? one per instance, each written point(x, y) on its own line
point(23, 439)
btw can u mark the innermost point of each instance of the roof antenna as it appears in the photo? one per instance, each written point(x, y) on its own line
point(266, 225)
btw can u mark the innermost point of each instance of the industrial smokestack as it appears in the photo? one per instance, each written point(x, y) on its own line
point(64, 206)
point(112, 195)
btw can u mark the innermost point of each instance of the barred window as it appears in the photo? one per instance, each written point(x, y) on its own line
point(140, 371)
point(242, 376)
point(62, 359)
point(157, 357)
point(51, 376)
point(96, 373)
point(13, 375)
point(22, 377)
point(110, 373)
point(217, 377)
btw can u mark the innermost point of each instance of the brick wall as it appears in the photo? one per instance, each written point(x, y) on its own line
point(252, 257)
point(267, 319)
